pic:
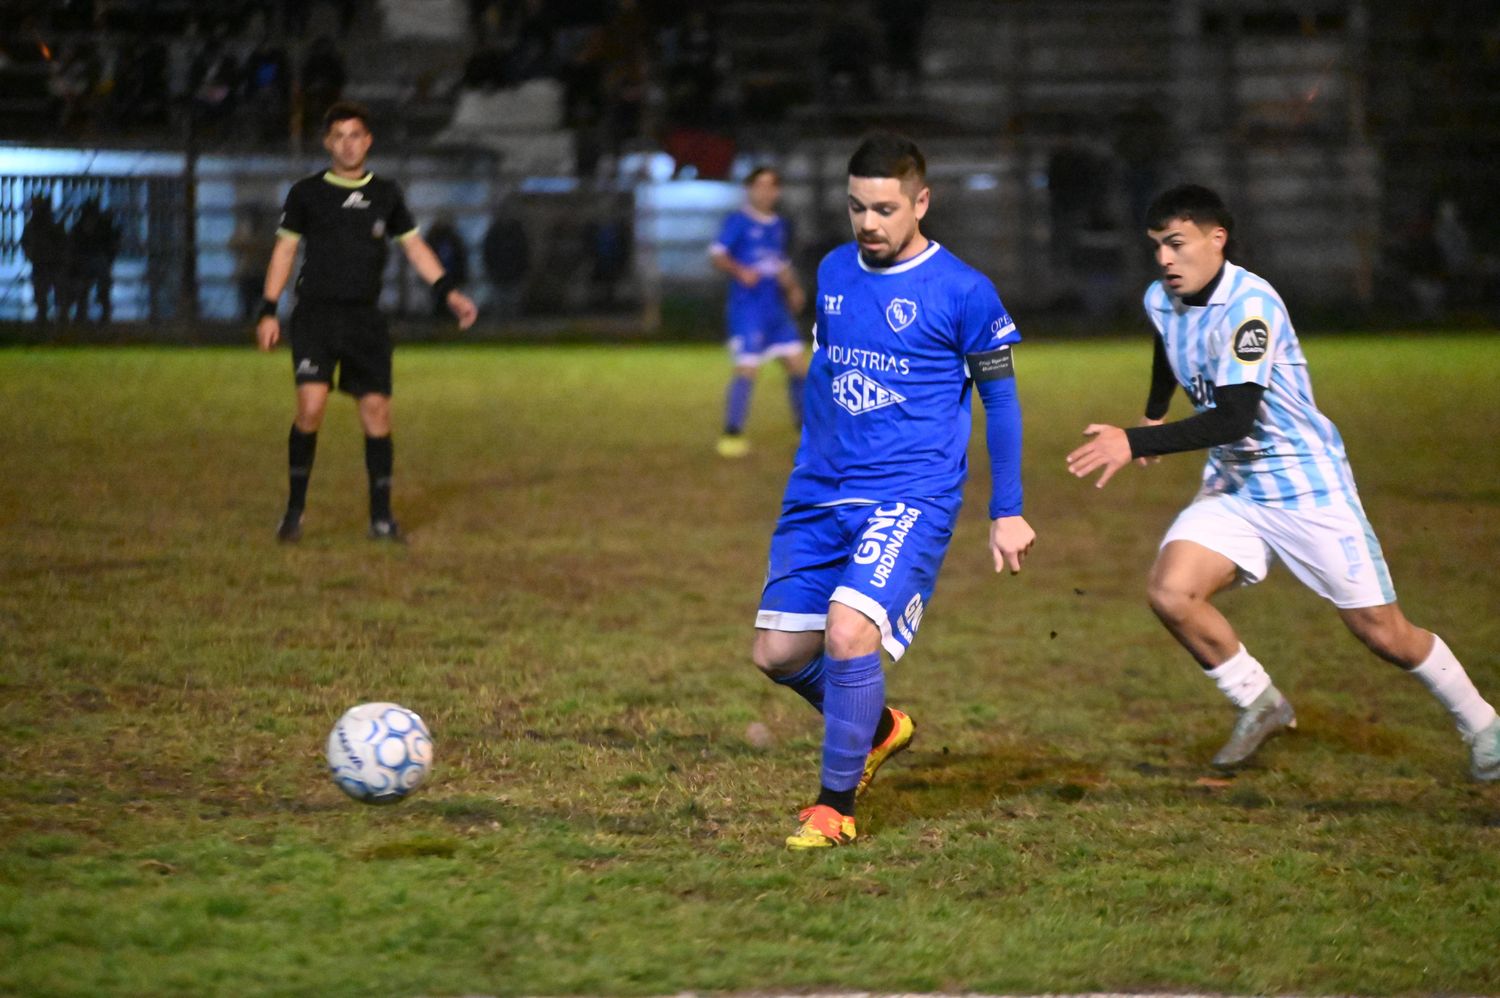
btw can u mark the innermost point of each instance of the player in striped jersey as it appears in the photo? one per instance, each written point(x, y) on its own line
point(1277, 483)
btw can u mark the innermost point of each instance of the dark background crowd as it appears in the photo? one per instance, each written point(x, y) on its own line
point(1374, 120)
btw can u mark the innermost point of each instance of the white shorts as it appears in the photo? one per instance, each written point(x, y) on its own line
point(1331, 549)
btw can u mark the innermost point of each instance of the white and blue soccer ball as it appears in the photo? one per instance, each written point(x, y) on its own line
point(379, 752)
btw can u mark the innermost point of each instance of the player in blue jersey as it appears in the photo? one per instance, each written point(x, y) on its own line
point(763, 295)
point(904, 331)
point(1277, 484)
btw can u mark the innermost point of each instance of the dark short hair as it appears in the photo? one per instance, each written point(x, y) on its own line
point(1193, 202)
point(343, 110)
point(761, 171)
point(886, 154)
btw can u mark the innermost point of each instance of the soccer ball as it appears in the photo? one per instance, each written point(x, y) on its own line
point(379, 752)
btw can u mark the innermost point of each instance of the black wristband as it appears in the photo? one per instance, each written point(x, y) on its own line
point(443, 285)
point(268, 307)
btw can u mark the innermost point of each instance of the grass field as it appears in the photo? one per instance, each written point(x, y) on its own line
point(572, 617)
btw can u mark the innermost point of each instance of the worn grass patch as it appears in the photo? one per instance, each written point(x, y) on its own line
point(572, 618)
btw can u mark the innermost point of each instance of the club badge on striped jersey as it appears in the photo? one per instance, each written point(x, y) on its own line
point(1251, 340)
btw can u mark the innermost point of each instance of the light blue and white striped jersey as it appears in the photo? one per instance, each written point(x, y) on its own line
point(1294, 457)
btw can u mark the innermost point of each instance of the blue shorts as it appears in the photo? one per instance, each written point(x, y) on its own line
point(759, 331)
point(880, 559)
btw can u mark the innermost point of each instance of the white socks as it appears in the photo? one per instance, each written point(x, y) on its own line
point(1242, 678)
point(1442, 674)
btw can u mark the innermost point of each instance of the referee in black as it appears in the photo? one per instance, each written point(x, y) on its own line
point(345, 215)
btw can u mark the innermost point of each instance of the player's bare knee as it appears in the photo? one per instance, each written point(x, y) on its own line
point(851, 635)
point(309, 418)
point(1170, 601)
point(777, 656)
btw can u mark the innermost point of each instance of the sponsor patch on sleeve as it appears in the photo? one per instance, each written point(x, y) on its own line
point(1251, 340)
point(992, 365)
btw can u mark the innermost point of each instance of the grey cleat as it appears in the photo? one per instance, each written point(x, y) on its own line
point(387, 529)
point(290, 529)
point(1267, 715)
point(1484, 753)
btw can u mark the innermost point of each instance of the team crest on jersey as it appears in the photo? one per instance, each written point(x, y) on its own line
point(900, 313)
point(1250, 341)
point(859, 393)
point(378, 229)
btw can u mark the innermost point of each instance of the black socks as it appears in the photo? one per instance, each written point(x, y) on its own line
point(380, 458)
point(300, 450)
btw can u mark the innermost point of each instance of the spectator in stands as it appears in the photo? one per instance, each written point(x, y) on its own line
point(323, 79)
point(581, 69)
point(529, 40)
point(93, 243)
point(693, 66)
point(268, 89)
point(74, 81)
point(609, 241)
point(214, 80)
point(452, 252)
point(507, 260)
point(141, 95)
point(625, 74)
point(902, 21)
point(845, 56)
point(44, 244)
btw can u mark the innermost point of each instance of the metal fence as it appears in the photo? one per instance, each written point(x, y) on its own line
point(146, 254)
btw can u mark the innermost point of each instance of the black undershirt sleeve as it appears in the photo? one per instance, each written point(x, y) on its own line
point(1163, 381)
point(1231, 418)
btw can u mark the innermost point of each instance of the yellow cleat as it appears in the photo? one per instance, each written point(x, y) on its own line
point(733, 446)
point(894, 744)
point(822, 828)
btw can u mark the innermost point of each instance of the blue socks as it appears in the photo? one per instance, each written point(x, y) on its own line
point(808, 683)
point(854, 696)
point(795, 388)
point(737, 404)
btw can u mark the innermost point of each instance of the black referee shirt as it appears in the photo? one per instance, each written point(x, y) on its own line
point(345, 224)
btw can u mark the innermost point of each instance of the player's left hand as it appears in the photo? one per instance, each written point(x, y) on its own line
point(1110, 450)
point(1011, 538)
point(463, 306)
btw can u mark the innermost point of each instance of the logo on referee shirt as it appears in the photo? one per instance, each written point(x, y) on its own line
point(356, 200)
point(1250, 341)
point(859, 393)
point(900, 313)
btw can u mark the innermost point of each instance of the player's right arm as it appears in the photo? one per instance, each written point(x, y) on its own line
point(1159, 398)
point(721, 252)
point(726, 264)
point(278, 272)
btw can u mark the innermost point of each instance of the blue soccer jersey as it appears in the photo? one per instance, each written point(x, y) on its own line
point(1294, 457)
point(888, 391)
point(760, 243)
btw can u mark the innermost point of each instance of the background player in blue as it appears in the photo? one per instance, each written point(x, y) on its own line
point(1277, 483)
point(904, 330)
point(343, 217)
point(763, 295)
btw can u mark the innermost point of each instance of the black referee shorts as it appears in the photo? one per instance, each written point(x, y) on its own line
point(348, 337)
